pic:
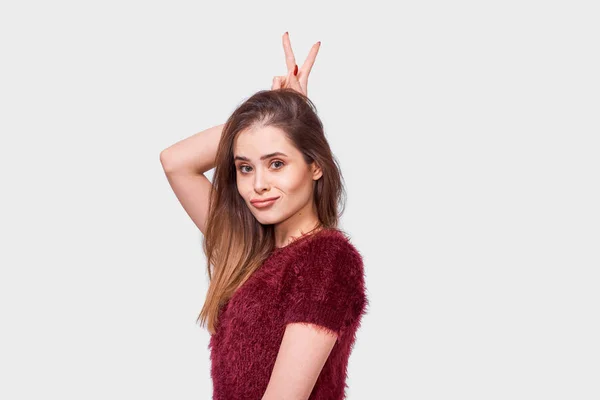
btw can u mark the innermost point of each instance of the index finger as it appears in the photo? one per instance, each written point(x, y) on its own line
point(290, 60)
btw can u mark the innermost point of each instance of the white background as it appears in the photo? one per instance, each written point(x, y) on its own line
point(467, 133)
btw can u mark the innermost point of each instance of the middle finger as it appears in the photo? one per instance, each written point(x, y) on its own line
point(308, 63)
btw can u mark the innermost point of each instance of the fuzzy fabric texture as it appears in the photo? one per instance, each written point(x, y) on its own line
point(316, 279)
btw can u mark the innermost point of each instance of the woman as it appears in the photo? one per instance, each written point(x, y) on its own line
point(286, 293)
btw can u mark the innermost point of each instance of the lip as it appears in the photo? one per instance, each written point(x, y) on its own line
point(263, 203)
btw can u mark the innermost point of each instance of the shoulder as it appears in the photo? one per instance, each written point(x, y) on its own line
point(333, 242)
point(332, 250)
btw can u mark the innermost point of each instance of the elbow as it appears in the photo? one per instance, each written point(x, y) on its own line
point(166, 160)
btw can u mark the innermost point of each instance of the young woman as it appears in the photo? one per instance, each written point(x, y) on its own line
point(286, 293)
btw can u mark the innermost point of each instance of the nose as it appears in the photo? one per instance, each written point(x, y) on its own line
point(260, 182)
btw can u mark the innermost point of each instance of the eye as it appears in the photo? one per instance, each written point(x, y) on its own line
point(243, 171)
point(277, 161)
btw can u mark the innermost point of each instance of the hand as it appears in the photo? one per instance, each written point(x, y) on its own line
point(297, 81)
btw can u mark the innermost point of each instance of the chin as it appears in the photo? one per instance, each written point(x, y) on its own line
point(267, 220)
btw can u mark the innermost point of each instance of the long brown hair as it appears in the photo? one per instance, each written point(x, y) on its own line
point(235, 243)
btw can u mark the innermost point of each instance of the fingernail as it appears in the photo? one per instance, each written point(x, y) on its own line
point(296, 70)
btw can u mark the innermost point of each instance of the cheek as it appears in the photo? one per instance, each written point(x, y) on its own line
point(293, 183)
point(243, 189)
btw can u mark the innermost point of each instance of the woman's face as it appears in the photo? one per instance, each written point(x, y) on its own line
point(268, 165)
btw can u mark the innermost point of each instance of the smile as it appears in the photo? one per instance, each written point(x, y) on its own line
point(264, 204)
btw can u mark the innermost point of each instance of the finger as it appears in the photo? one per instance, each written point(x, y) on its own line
point(304, 71)
point(290, 60)
point(276, 83)
point(293, 82)
point(291, 79)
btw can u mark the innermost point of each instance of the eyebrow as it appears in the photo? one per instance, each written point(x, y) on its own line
point(277, 153)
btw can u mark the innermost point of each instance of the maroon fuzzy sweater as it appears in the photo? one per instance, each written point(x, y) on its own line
point(317, 279)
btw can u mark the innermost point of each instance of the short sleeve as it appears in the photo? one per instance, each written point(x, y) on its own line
point(326, 285)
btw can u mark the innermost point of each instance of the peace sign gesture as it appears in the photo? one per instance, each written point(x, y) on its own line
point(296, 79)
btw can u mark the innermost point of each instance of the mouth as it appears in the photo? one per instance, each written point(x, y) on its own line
point(264, 203)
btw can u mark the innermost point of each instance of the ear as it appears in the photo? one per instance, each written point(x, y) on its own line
point(317, 172)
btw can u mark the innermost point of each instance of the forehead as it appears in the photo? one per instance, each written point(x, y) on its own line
point(257, 141)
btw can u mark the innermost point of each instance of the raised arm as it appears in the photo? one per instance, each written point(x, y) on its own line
point(185, 163)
